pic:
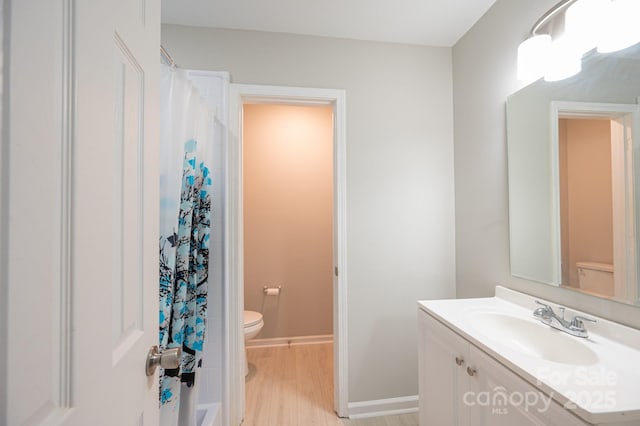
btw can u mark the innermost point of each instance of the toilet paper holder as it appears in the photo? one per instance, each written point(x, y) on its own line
point(271, 291)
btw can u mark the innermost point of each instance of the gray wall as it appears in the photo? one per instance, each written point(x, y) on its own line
point(400, 195)
point(484, 74)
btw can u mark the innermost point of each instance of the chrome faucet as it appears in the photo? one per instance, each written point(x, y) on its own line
point(547, 316)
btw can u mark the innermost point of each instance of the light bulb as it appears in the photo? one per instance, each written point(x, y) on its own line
point(532, 57)
point(621, 27)
point(563, 62)
point(583, 24)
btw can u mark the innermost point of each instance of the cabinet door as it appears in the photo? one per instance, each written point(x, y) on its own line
point(557, 415)
point(441, 379)
point(498, 397)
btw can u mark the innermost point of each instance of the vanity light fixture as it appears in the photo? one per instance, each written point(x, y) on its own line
point(621, 27)
point(532, 57)
point(572, 28)
point(584, 25)
point(563, 59)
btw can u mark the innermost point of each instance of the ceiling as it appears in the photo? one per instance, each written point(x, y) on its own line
point(425, 22)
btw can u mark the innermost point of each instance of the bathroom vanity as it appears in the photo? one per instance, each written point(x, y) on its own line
point(490, 362)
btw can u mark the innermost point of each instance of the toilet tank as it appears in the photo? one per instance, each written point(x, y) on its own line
point(596, 277)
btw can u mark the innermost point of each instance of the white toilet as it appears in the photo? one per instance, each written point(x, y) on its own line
point(253, 323)
point(596, 277)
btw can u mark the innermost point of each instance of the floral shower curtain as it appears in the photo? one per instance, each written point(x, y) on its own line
point(185, 223)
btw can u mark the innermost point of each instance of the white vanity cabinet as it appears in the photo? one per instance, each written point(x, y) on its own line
point(460, 385)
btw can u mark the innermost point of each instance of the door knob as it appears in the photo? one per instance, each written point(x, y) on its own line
point(471, 371)
point(459, 361)
point(169, 358)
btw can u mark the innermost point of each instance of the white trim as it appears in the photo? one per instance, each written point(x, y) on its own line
point(244, 93)
point(66, 214)
point(211, 414)
point(340, 317)
point(627, 115)
point(4, 205)
point(383, 407)
point(623, 208)
point(233, 290)
point(290, 341)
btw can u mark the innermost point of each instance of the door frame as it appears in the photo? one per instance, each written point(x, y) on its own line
point(234, 282)
point(627, 117)
point(4, 202)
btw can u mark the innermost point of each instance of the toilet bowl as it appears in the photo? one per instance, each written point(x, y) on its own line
point(253, 323)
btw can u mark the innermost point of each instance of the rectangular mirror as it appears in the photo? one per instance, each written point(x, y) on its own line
point(573, 187)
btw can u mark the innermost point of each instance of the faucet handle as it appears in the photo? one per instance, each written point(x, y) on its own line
point(545, 313)
point(547, 307)
point(577, 321)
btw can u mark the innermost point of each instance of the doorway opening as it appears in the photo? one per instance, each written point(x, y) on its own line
point(245, 100)
point(287, 158)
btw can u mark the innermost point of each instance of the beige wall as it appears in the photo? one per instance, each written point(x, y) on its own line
point(400, 206)
point(288, 214)
point(484, 74)
point(587, 208)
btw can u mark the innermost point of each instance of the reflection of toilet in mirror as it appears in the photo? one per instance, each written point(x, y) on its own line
point(596, 277)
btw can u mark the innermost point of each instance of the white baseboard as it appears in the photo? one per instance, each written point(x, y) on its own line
point(289, 341)
point(383, 407)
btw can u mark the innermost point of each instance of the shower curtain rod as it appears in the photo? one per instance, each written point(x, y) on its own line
point(167, 57)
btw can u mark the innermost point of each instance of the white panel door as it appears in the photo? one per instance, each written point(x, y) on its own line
point(80, 213)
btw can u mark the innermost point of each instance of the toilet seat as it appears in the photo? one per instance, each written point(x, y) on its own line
point(252, 318)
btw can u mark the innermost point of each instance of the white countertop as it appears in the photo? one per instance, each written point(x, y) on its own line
point(603, 392)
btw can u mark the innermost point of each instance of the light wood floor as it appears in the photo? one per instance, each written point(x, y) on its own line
point(293, 386)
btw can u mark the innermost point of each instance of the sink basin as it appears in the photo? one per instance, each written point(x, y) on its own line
point(533, 338)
